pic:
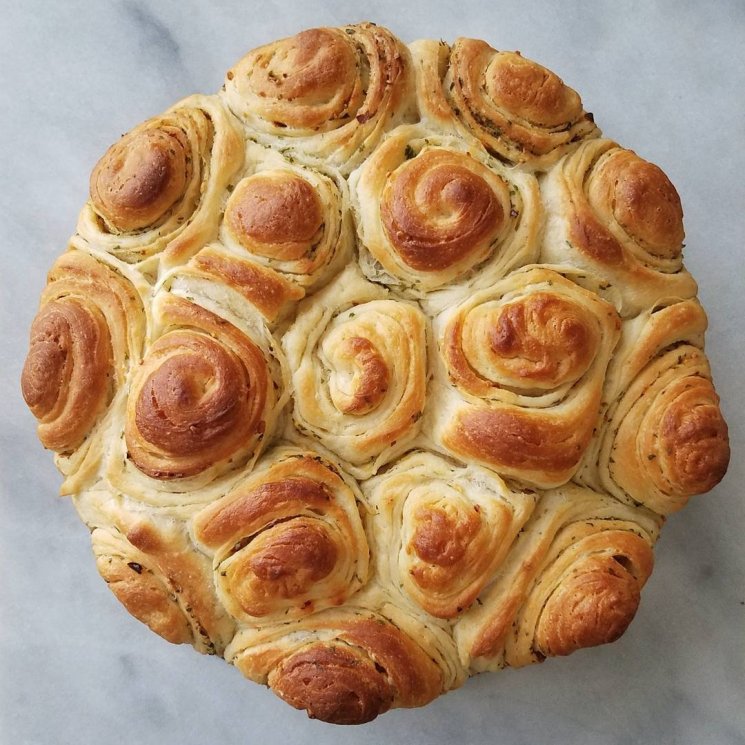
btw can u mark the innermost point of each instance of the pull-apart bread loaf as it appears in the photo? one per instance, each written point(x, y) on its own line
point(376, 369)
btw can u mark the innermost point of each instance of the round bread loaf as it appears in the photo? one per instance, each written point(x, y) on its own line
point(376, 369)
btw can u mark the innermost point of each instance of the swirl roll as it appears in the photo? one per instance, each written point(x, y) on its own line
point(663, 438)
point(286, 231)
point(291, 220)
point(325, 95)
point(612, 213)
point(152, 568)
point(348, 665)
point(157, 191)
point(88, 331)
point(433, 211)
point(520, 111)
point(573, 580)
point(441, 531)
point(200, 406)
point(287, 541)
point(521, 372)
point(359, 372)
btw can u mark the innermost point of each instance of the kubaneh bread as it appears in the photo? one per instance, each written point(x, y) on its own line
point(379, 368)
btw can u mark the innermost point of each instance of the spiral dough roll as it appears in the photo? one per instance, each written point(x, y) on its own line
point(287, 541)
point(431, 210)
point(152, 568)
point(441, 531)
point(522, 369)
point(359, 365)
point(289, 219)
point(201, 405)
point(612, 213)
point(518, 110)
point(88, 332)
point(350, 664)
point(326, 95)
point(573, 580)
point(286, 231)
point(663, 438)
point(156, 192)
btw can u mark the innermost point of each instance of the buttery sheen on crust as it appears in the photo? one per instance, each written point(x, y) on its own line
point(377, 369)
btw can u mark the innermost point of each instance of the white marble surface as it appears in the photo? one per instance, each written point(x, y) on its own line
point(666, 78)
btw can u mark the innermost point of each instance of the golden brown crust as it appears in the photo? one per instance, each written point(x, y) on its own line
point(430, 59)
point(275, 214)
point(217, 527)
point(414, 675)
point(513, 441)
point(572, 580)
point(663, 438)
point(518, 342)
point(286, 231)
point(642, 201)
point(199, 398)
point(595, 605)
point(441, 531)
point(588, 234)
point(693, 443)
point(335, 683)
point(86, 333)
point(146, 597)
point(370, 379)
point(437, 208)
point(155, 194)
point(300, 556)
point(359, 361)
point(155, 573)
point(435, 212)
point(65, 380)
point(327, 94)
point(637, 196)
point(619, 216)
point(286, 542)
point(295, 74)
point(682, 435)
point(266, 290)
point(541, 341)
point(519, 110)
point(369, 663)
point(531, 91)
point(140, 178)
point(378, 667)
point(525, 363)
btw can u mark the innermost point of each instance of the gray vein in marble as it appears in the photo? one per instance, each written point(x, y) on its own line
point(156, 40)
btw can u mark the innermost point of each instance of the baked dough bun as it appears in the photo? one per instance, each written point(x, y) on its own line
point(618, 216)
point(359, 372)
point(377, 369)
point(520, 111)
point(325, 95)
point(438, 217)
point(155, 193)
point(288, 540)
point(520, 375)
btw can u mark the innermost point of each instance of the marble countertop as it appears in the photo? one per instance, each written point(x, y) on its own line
point(665, 78)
